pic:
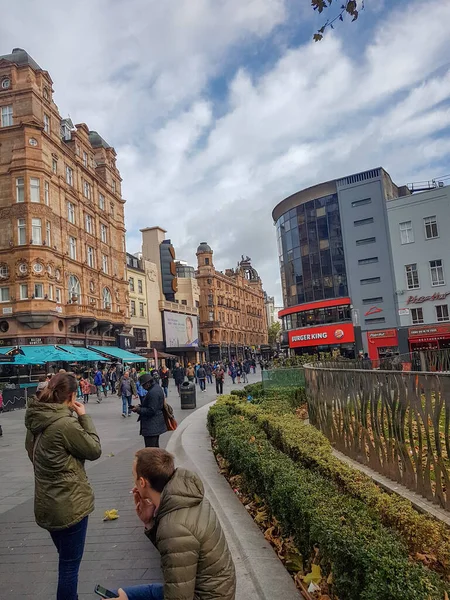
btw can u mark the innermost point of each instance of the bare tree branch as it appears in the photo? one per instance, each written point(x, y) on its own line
point(350, 8)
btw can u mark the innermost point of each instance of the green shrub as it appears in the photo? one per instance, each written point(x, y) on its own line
point(368, 561)
point(306, 445)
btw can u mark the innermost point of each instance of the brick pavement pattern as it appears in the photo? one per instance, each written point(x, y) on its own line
point(117, 552)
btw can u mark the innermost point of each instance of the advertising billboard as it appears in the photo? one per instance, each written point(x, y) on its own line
point(324, 335)
point(181, 330)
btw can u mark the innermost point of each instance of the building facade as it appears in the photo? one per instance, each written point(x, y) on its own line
point(419, 227)
point(269, 302)
point(337, 273)
point(62, 240)
point(137, 281)
point(172, 298)
point(233, 321)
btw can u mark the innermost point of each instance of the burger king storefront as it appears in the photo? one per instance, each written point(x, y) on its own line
point(324, 338)
point(321, 326)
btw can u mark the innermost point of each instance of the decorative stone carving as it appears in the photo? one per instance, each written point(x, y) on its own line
point(22, 268)
point(152, 273)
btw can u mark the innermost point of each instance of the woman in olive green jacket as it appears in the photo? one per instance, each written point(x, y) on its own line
point(58, 443)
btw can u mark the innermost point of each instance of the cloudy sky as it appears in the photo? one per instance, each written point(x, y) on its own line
point(218, 109)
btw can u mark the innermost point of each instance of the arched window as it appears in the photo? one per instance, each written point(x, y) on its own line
point(107, 298)
point(74, 290)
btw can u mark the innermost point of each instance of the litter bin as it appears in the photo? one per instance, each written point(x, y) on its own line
point(188, 395)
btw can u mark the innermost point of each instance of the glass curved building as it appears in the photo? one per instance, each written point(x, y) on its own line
point(336, 265)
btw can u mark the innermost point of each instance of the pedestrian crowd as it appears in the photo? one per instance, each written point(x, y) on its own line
point(177, 518)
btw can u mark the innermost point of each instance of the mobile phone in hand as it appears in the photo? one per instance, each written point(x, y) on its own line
point(104, 593)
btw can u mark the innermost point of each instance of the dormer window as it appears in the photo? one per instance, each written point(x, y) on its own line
point(66, 129)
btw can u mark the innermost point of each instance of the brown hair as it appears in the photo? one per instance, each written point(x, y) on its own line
point(156, 466)
point(59, 389)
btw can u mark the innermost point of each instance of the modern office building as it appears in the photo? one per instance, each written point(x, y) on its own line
point(337, 274)
point(419, 227)
point(233, 321)
point(62, 235)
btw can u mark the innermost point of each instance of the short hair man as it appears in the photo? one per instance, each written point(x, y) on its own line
point(179, 520)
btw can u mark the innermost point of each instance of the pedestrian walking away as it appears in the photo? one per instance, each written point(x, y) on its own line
point(201, 376)
point(190, 372)
point(195, 559)
point(113, 379)
point(98, 382)
point(150, 411)
point(178, 375)
point(126, 391)
point(58, 443)
point(85, 388)
point(233, 372)
point(164, 375)
point(209, 371)
point(219, 374)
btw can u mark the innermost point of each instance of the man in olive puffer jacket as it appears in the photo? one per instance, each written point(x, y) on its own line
point(195, 558)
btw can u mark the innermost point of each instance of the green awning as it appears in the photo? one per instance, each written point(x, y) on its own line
point(123, 355)
point(39, 355)
point(81, 354)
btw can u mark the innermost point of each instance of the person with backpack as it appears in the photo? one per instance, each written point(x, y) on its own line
point(98, 382)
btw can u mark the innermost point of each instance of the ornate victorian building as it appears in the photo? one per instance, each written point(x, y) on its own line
point(233, 321)
point(62, 235)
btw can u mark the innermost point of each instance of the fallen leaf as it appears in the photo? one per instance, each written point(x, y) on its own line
point(111, 515)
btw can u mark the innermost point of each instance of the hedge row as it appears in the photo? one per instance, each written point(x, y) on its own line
point(309, 447)
point(368, 561)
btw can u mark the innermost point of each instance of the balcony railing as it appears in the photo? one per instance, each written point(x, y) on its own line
point(176, 307)
point(92, 310)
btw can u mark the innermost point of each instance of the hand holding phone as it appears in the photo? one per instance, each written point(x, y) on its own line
point(104, 593)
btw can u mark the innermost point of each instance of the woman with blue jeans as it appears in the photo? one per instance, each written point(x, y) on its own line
point(60, 437)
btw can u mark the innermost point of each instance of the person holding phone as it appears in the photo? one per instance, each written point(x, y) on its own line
point(195, 559)
point(60, 437)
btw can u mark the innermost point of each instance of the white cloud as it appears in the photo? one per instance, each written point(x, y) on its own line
point(208, 167)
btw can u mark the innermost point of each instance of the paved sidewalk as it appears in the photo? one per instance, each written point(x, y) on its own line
point(260, 573)
point(117, 553)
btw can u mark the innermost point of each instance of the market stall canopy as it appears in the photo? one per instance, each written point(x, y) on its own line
point(39, 355)
point(6, 349)
point(114, 352)
point(81, 354)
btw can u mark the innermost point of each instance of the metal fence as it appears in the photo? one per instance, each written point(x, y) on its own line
point(294, 377)
point(396, 422)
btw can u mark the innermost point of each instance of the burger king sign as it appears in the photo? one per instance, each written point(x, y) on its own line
point(324, 335)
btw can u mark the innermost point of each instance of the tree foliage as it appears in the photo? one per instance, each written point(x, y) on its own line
point(274, 331)
point(349, 8)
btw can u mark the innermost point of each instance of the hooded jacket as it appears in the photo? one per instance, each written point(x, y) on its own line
point(151, 416)
point(63, 495)
point(195, 557)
